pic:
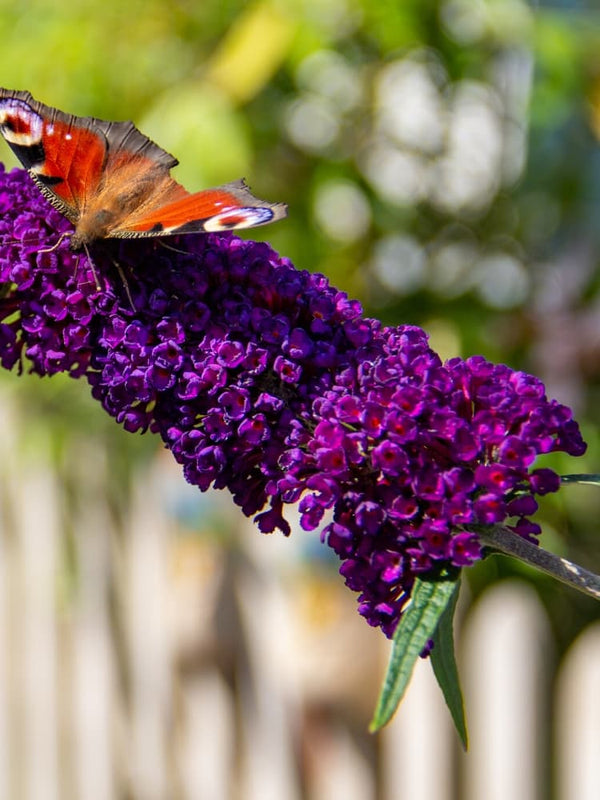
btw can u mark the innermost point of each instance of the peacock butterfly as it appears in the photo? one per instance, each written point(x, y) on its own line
point(111, 181)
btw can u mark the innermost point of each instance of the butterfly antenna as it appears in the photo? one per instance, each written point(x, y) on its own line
point(125, 284)
point(123, 277)
point(93, 267)
point(25, 241)
point(57, 244)
point(173, 249)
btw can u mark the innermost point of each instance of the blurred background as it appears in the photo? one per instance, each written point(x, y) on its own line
point(441, 162)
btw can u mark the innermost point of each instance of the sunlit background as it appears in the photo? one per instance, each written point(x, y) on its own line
point(441, 162)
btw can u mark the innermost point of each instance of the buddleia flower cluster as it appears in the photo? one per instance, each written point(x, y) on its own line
point(267, 381)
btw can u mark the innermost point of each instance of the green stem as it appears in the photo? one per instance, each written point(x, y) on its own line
point(592, 479)
point(510, 543)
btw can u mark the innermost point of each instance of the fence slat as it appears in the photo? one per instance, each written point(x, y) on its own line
point(38, 539)
point(93, 668)
point(206, 750)
point(504, 668)
point(421, 735)
point(149, 647)
point(577, 721)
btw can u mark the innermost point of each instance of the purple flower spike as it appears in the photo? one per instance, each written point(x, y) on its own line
point(268, 381)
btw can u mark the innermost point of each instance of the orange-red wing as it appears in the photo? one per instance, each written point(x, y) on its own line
point(71, 170)
point(223, 208)
point(68, 156)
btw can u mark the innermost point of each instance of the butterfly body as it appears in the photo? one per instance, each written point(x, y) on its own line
point(111, 181)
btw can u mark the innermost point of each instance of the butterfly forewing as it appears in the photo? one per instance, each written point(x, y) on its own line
point(63, 156)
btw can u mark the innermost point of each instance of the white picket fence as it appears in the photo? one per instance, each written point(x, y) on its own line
point(169, 666)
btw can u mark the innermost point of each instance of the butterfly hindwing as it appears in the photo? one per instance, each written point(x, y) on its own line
point(112, 181)
point(227, 207)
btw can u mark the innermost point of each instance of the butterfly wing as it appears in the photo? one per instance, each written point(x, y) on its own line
point(174, 210)
point(67, 156)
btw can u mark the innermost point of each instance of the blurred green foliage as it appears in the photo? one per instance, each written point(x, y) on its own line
point(439, 157)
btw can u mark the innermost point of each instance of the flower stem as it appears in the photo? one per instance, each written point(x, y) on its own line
point(511, 544)
point(590, 479)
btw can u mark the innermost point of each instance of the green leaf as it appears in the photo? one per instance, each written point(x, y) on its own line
point(417, 625)
point(444, 668)
point(593, 479)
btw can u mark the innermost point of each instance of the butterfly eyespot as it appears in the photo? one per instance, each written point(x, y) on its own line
point(20, 125)
point(239, 218)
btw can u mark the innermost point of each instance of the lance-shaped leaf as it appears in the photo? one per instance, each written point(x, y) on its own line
point(417, 625)
point(443, 662)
